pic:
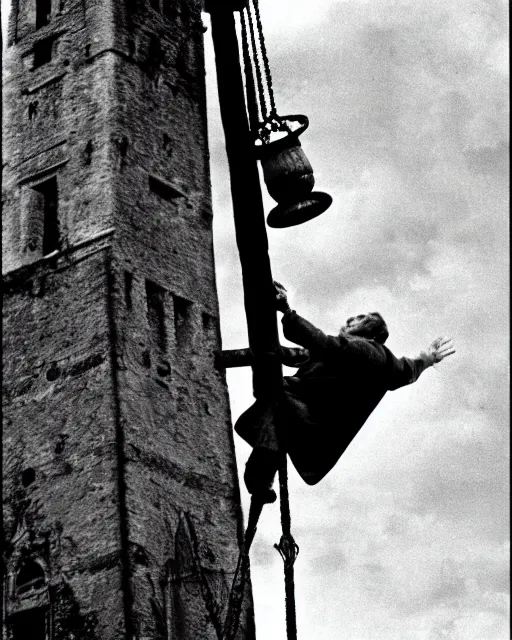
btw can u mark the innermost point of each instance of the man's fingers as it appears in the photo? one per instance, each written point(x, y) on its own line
point(445, 347)
point(445, 354)
point(441, 341)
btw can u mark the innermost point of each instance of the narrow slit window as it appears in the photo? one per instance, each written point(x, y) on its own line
point(32, 110)
point(42, 52)
point(182, 321)
point(155, 296)
point(43, 12)
point(128, 285)
point(49, 203)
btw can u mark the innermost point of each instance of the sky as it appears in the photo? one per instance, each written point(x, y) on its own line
point(408, 537)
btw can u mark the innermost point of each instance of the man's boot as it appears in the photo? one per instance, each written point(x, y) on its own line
point(257, 427)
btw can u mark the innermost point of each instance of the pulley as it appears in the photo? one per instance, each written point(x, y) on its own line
point(289, 176)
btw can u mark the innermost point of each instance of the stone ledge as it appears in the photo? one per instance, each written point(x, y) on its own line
point(44, 83)
point(22, 274)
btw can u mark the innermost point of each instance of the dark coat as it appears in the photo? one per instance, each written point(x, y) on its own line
point(333, 393)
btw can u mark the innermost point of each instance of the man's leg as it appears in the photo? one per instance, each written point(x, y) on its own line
point(257, 427)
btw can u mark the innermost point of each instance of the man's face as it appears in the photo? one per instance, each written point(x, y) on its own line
point(366, 325)
point(356, 321)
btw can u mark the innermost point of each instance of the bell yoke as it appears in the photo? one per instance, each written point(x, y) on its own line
point(330, 397)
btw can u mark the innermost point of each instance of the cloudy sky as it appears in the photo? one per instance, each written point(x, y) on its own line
point(408, 537)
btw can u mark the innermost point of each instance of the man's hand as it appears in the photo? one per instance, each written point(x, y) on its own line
point(440, 349)
point(281, 298)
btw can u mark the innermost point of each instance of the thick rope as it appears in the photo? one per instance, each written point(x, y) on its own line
point(288, 550)
point(252, 101)
point(263, 49)
point(255, 56)
point(259, 75)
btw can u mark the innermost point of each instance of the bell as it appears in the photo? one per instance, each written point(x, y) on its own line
point(289, 178)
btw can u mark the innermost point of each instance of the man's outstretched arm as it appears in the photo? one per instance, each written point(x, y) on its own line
point(408, 370)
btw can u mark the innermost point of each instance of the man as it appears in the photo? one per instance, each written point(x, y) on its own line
point(330, 396)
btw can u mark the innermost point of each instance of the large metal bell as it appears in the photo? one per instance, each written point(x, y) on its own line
point(289, 178)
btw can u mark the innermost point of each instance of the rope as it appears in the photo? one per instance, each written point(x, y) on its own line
point(252, 102)
point(288, 550)
point(237, 591)
point(259, 75)
point(263, 49)
point(257, 89)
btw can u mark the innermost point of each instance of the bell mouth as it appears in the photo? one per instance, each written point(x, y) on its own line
point(290, 215)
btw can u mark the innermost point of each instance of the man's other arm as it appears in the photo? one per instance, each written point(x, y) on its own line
point(299, 330)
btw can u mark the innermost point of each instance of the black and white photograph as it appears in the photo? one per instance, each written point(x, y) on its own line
point(255, 260)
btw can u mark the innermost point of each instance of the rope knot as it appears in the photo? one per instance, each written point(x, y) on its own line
point(288, 549)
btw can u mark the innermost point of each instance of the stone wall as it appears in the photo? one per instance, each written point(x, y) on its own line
point(60, 454)
point(112, 400)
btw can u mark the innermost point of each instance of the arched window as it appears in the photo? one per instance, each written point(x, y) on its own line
point(30, 579)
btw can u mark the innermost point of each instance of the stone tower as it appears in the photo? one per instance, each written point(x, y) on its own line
point(122, 511)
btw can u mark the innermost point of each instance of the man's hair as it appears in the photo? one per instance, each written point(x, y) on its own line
point(373, 328)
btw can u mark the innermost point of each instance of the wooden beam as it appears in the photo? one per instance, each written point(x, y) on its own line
point(231, 358)
point(250, 229)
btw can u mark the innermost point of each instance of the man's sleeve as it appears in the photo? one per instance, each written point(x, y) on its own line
point(404, 371)
point(298, 330)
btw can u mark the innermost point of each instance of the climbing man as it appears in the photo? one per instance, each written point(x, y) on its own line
point(329, 398)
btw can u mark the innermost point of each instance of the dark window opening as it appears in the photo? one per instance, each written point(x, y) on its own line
point(51, 236)
point(28, 476)
point(167, 146)
point(32, 110)
point(43, 12)
point(128, 285)
point(164, 189)
point(156, 314)
point(33, 624)
point(30, 579)
point(42, 52)
point(89, 148)
point(182, 321)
